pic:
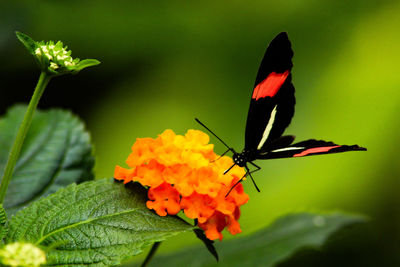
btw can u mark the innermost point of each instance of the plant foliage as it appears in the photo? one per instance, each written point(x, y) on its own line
point(56, 152)
point(267, 247)
point(96, 223)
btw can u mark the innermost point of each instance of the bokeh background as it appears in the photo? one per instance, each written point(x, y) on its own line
point(166, 62)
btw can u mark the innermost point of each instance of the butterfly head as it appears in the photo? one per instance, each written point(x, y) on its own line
point(241, 159)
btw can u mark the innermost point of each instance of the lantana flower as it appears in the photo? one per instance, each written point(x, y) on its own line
point(184, 173)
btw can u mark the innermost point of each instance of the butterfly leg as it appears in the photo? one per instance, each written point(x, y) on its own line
point(226, 171)
point(223, 154)
point(248, 172)
point(258, 167)
point(238, 182)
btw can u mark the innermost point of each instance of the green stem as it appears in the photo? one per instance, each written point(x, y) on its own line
point(151, 254)
point(23, 129)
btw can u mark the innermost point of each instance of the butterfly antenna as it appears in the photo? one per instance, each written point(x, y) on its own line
point(229, 148)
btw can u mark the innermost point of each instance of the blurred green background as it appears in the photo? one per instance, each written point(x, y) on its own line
point(166, 62)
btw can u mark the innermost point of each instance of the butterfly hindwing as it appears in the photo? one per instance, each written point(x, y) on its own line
point(307, 148)
point(272, 102)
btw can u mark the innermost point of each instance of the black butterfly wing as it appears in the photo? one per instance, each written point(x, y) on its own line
point(272, 102)
point(308, 148)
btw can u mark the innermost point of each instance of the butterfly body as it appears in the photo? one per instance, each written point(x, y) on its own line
point(271, 111)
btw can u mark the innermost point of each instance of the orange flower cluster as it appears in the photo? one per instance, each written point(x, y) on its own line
point(181, 175)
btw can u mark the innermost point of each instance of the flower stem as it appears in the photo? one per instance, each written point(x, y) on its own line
point(23, 129)
point(151, 254)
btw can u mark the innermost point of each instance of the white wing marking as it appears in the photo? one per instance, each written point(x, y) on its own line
point(267, 129)
point(287, 149)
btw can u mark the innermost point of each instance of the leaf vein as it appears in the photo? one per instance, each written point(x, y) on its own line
point(81, 223)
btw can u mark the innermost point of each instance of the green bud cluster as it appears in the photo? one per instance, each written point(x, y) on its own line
point(53, 58)
point(57, 55)
point(22, 254)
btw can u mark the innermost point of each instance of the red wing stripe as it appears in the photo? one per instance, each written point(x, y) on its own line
point(314, 150)
point(270, 86)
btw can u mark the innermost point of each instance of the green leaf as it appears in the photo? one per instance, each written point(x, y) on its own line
point(267, 247)
point(207, 242)
point(3, 221)
point(84, 64)
point(56, 152)
point(95, 223)
point(27, 41)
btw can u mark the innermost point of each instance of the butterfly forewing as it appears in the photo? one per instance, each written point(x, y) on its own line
point(272, 102)
point(271, 111)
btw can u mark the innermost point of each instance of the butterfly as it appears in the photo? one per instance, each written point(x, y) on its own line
point(271, 111)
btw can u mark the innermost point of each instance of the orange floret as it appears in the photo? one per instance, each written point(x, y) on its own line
point(182, 173)
point(164, 199)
